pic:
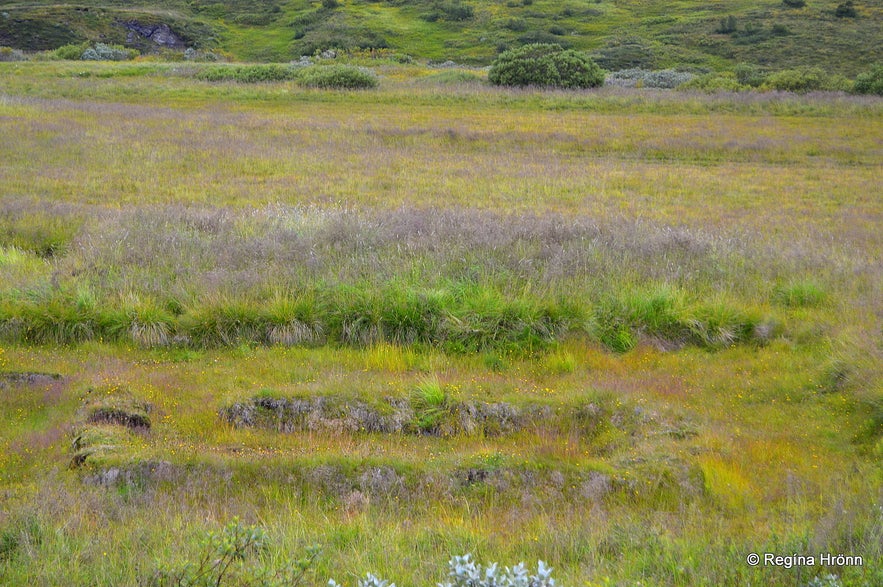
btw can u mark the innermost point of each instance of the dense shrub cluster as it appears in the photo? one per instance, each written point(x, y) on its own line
point(248, 74)
point(627, 52)
point(750, 75)
point(845, 10)
point(342, 77)
point(747, 77)
point(870, 82)
point(545, 65)
point(345, 77)
point(805, 79)
point(70, 52)
point(102, 52)
point(642, 78)
point(451, 10)
point(10, 54)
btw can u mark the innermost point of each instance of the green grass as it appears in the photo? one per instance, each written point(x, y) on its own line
point(632, 334)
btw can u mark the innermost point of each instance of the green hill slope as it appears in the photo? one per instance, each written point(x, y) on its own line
point(620, 33)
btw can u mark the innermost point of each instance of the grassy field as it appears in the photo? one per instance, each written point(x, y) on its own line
point(634, 334)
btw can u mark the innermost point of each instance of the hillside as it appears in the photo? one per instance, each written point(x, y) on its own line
point(619, 33)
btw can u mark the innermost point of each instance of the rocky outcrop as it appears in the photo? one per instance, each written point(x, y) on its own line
point(161, 34)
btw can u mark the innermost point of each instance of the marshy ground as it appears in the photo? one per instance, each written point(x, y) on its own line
point(633, 334)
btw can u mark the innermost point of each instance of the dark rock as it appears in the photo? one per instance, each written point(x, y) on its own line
point(161, 34)
point(120, 417)
point(32, 378)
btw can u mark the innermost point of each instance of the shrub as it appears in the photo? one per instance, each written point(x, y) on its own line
point(794, 3)
point(455, 10)
point(804, 79)
point(748, 74)
point(845, 10)
point(546, 65)
point(247, 74)
point(726, 25)
point(70, 52)
point(641, 78)
point(516, 24)
point(870, 82)
point(337, 77)
point(10, 54)
point(102, 52)
point(625, 53)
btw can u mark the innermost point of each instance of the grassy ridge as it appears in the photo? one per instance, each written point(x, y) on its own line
point(620, 34)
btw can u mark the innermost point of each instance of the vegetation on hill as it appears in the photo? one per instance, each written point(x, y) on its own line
point(619, 35)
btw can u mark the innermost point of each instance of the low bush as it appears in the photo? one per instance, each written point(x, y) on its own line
point(870, 82)
point(801, 80)
point(749, 74)
point(627, 52)
point(545, 65)
point(72, 52)
point(247, 74)
point(102, 52)
point(714, 82)
point(337, 77)
point(845, 10)
point(641, 78)
point(727, 25)
point(10, 54)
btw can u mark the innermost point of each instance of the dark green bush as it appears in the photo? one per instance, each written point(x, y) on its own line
point(547, 65)
point(337, 77)
point(794, 3)
point(714, 82)
point(726, 25)
point(870, 82)
point(804, 79)
point(103, 52)
point(845, 10)
point(455, 10)
point(748, 74)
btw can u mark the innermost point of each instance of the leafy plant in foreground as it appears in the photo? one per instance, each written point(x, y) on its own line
point(226, 559)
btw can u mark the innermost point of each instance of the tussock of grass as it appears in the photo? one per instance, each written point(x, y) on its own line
point(799, 294)
point(459, 321)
